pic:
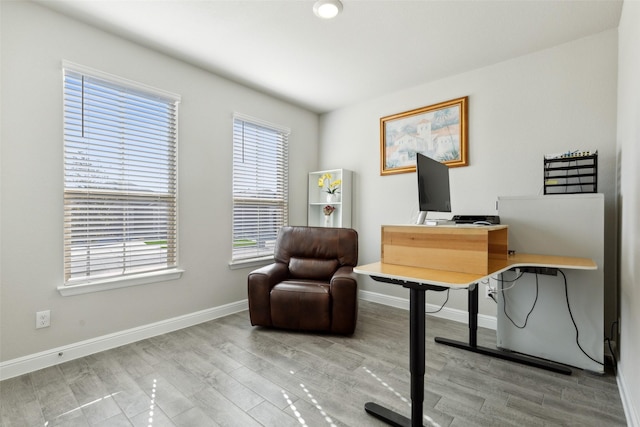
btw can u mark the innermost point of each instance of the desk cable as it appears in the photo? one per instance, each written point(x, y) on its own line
point(504, 301)
point(442, 306)
point(608, 341)
point(566, 293)
point(501, 280)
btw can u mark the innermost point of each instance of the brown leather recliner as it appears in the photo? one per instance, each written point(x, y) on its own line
point(311, 285)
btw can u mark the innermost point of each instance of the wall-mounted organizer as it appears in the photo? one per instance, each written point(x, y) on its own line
point(319, 200)
point(571, 173)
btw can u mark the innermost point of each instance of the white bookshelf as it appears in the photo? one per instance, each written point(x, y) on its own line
point(317, 199)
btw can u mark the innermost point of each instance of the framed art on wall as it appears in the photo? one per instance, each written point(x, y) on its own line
point(438, 131)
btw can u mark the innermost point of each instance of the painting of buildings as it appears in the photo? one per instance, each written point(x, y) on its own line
point(435, 134)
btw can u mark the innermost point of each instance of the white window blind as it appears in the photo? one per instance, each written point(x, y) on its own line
point(260, 187)
point(120, 188)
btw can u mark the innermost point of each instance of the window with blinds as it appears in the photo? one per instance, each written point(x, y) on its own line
point(260, 187)
point(120, 178)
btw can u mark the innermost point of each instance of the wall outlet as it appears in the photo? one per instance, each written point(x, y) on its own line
point(43, 319)
point(487, 291)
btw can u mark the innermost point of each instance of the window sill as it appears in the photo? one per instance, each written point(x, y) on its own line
point(250, 263)
point(120, 282)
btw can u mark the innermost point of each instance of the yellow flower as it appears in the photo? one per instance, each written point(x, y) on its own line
point(323, 178)
point(331, 186)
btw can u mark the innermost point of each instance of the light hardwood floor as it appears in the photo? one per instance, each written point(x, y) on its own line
point(228, 373)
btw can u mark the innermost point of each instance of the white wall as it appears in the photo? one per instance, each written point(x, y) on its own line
point(628, 152)
point(34, 42)
point(550, 101)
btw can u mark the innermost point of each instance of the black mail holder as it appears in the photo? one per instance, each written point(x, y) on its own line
point(572, 174)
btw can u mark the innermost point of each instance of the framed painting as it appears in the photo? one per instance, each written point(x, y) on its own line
point(438, 131)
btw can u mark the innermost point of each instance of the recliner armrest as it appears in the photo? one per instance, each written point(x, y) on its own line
point(344, 272)
point(271, 274)
point(344, 297)
point(259, 284)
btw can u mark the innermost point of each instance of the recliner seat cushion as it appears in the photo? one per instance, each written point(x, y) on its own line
point(303, 305)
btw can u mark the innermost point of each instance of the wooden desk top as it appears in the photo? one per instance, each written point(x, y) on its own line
point(454, 279)
point(552, 261)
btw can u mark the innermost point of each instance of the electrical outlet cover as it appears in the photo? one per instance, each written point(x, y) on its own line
point(43, 319)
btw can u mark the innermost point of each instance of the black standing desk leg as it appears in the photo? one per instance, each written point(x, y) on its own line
point(473, 315)
point(416, 366)
point(417, 357)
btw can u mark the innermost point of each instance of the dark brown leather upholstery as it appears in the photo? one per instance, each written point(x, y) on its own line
point(311, 285)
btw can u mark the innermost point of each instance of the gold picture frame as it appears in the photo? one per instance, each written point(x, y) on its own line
point(439, 131)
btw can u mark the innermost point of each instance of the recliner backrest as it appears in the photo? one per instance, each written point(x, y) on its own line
point(312, 268)
point(311, 252)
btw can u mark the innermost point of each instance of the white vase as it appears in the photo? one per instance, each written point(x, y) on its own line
point(328, 220)
point(333, 197)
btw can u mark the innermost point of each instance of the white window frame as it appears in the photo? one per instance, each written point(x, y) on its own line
point(120, 181)
point(260, 158)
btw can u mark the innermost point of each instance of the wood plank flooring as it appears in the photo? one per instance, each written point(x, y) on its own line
point(228, 373)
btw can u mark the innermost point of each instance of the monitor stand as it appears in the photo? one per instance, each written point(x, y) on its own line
point(422, 220)
point(421, 217)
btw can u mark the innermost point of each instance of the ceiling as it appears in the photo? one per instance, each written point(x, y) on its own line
point(374, 47)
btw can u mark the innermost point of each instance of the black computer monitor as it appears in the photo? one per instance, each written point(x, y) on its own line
point(433, 186)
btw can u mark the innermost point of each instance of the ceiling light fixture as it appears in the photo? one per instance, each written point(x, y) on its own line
point(327, 9)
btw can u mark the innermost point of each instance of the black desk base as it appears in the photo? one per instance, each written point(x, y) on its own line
point(388, 416)
point(417, 351)
point(472, 345)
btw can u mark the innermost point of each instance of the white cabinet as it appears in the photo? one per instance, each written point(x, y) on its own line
point(319, 198)
point(565, 225)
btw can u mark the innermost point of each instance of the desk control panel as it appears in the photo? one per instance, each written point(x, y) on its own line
point(549, 271)
point(409, 284)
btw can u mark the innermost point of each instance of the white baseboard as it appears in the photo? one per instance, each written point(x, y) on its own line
point(33, 362)
point(630, 412)
point(461, 316)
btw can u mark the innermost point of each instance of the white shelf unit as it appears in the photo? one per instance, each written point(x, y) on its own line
point(317, 199)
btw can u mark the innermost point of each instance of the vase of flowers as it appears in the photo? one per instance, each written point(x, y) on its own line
point(330, 186)
point(328, 217)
